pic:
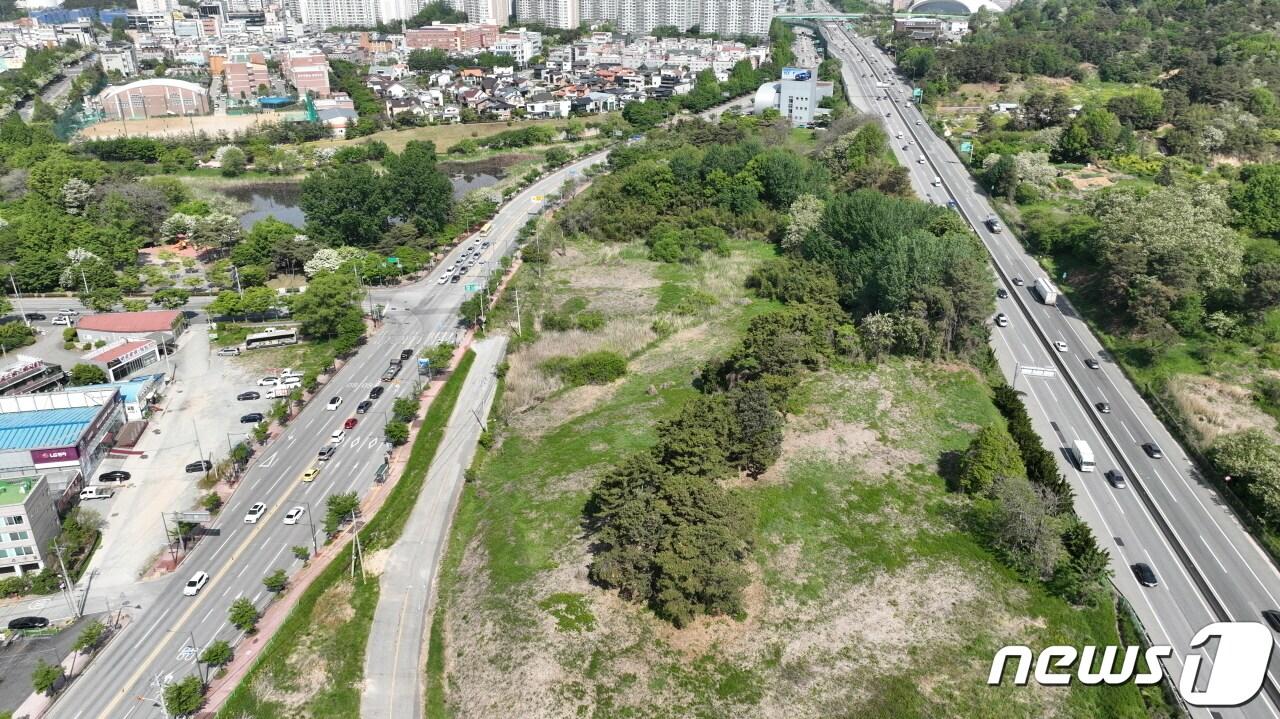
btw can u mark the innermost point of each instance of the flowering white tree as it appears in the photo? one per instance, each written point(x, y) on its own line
point(324, 260)
point(176, 225)
point(77, 255)
point(75, 195)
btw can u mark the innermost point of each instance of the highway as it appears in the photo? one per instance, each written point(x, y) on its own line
point(1209, 568)
point(163, 641)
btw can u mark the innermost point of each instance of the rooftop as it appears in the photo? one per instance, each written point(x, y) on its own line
point(151, 321)
point(44, 427)
point(129, 389)
point(12, 492)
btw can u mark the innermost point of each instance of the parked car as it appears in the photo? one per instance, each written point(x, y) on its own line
point(255, 513)
point(1115, 478)
point(246, 396)
point(118, 475)
point(251, 418)
point(376, 392)
point(96, 492)
point(228, 351)
point(333, 404)
point(350, 423)
point(268, 381)
point(195, 584)
point(293, 515)
point(363, 407)
point(203, 465)
point(1145, 575)
point(28, 623)
point(1153, 450)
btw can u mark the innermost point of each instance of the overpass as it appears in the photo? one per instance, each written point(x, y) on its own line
point(850, 16)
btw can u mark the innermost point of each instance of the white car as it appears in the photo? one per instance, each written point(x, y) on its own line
point(268, 381)
point(1002, 320)
point(293, 515)
point(255, 513)
point(337, 436)
point(195, 584)
point(333, 404)
point(1060, 346)
point(443, 279)
point(448, 269)
point(287, 372)
point(290, 381)
point(228, 351)
point(61, 320)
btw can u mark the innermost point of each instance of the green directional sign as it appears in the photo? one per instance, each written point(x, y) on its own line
point(393, 260)
point(471, 286)
point(966, 147)
point(917, 93)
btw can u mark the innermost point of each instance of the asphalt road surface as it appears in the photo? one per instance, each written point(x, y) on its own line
point(394, 658)
point(1209, 568)
point(123, 682)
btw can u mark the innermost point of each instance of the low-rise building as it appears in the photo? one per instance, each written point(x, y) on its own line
point(156, 97)
point(123, 357)
point(30, 374)
point(307, 71)
point(460, 37)
point(58, 436)
point(118, 57)
point(162, 326)
point(797, 96)
point(28, 523)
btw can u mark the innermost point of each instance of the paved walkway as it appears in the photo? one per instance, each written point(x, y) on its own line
point(395, 655)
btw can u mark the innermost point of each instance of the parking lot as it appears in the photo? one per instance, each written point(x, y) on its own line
point(19, 657)
point(200, 416)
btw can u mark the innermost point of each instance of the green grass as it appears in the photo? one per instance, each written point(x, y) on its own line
point(342, 645)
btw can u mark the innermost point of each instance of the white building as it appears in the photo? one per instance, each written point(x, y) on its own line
point(519, 44)
point(118, 56)
point(156, 7)
point(796, 98)
point(482, 11)
point(726, 17)
point(552, 13)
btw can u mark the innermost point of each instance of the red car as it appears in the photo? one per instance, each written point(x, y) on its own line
point(350, 423)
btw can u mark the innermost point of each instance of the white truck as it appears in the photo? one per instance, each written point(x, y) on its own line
point(1047, 292)
point(1083, 455)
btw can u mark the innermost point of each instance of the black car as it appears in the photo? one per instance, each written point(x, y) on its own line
point(203, 465)
point(246, 396)
point(1116, 479)
point(1145, 576)
point(405, 354)
point(455, 279)
point(1002, 293)
point(34, 316)
point(1104, 407)
point(1153, 450)
point(1272, 617)
point(375, 393)
point(251, 418)
point(1092, 363)
point(28, 623)
point(363, 406)
point(118, 475)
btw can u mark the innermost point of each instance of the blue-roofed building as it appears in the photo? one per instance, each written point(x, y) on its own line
point(136, 394)
point(59, 436)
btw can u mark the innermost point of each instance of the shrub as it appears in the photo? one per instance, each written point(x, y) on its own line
point(599, 367)
point(275, 581)
point(212, 502)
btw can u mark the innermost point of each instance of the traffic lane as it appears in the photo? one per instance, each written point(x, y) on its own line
point(1164, 610)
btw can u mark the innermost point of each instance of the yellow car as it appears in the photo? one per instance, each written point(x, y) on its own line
point(310, 474)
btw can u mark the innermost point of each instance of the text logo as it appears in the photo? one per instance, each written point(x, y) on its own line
point(1240, 665)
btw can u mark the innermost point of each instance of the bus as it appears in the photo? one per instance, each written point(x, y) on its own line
point(271, 337)
point(488, 228)
point(1083, 455)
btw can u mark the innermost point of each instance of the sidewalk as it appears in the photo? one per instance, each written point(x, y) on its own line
point(394, 657)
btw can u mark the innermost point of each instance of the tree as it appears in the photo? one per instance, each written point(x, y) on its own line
point(758, 429)
point(990, 456)
point(439, 356)
point(171, 298)
point(347, 204)
point(397, 432)
point(243, 615)
point(340, 508)
point(46, 678)
point(917, 61)
point(86, 374)
point(1257, 199)
point(103, 299)
point(405, 409)
point(276, 581)
point(233, 162)
point(217, 654)
point(328, 308)
point(416, 189)
point(646, 114)
point(90, 638)
point(432, 60)
point(1023, 529)
point(1252, 461)
point(185, 697)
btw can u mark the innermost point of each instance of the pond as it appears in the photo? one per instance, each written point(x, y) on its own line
point(280, 199)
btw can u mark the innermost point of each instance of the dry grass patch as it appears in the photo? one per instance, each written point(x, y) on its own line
point(308, 669)
point(1213, 408)
point(528, 384)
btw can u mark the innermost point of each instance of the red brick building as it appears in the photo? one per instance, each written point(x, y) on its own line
point(158, 97)
point(464, 37)
point(307, 71)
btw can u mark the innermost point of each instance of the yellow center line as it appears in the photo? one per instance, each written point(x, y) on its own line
point(191, 609)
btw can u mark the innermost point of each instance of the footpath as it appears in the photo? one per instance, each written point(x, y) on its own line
point(397, 640)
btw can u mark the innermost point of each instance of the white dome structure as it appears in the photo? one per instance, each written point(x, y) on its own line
point(952, 7)
point(766, 97)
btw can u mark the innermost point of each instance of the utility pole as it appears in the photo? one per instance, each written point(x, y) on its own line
point(518, 325)
point(66, 582)
point(199, 447)
point(357, 556)
point(18, 296)
point(195, 658)
point(315, 546)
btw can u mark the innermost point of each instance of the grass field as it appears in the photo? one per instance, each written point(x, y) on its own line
point(869, 596)
point(445, 136)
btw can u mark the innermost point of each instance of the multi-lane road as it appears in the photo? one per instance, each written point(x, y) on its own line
point(1209, 568)
point(162, 642)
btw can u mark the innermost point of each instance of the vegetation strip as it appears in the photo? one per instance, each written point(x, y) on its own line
point(341, 696)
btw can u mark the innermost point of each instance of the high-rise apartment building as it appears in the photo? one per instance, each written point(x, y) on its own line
point(496, 11)
point(636, 17)
point(563, 14)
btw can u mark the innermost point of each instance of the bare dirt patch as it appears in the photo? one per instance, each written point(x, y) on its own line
point(1213, 407)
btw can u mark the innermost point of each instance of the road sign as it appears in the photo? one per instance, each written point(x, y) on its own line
point(393, 260)
point(917, 93)
point(1038, 371)
point(966, 147)
point(471, 286)
point(193, 517)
